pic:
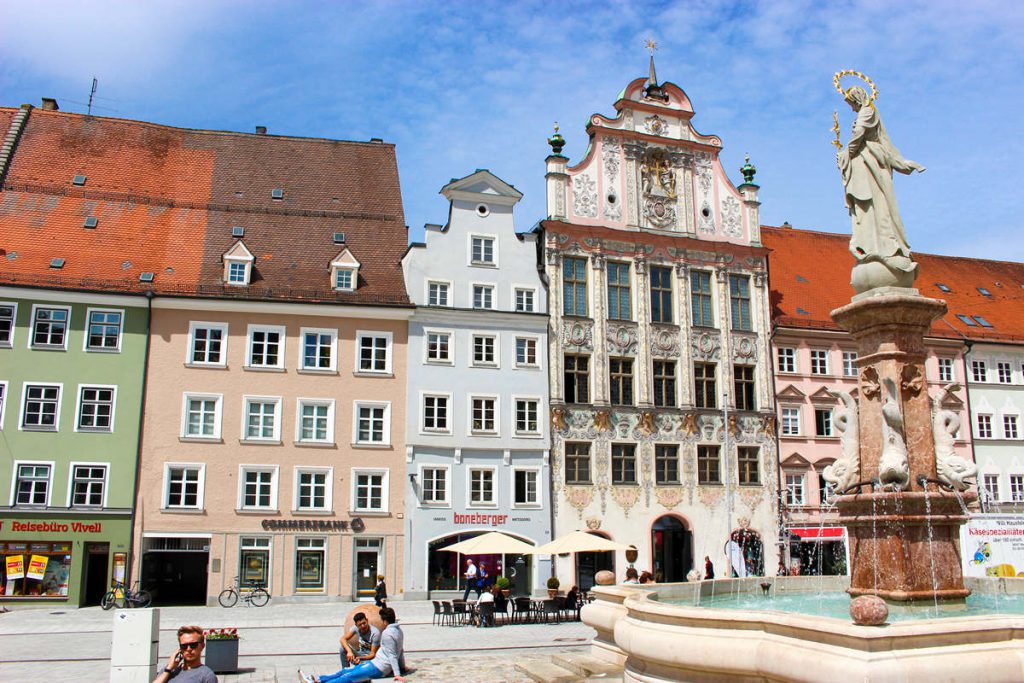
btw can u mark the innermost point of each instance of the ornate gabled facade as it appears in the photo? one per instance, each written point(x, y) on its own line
point(663, 433)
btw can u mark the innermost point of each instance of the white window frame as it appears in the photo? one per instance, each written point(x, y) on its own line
point(447, 502)
point(497, 415)
point(991, 478)
point(217, 413)
point(979, 367)
point(24, 398)
point(88, 322)
point(850, 363)
point(447, 396)
point(194, 325)
point(473, 362)
point(247, 401)
point(243, 470)
point(450, 360)
point(328, 473)
point(230, 263)
point(539, 503)
point(385, 489)
point(536, 351)
point(200, 486)
point(947, 364)
point(984, 426)
point(300, 403)
point(493, 263)
point(49, 483)
point(469, 487)
point(516, 289)
point(9, 344)
point(32, 328)
point(333, 334)
point(449, 292)
point(388, 351)
point(828, 365)
point(828, 424)
point(78, 408)
point(790, 354)
point(1008, 367)
point(353, 274)
point(782, 420)
point(1014, 420)
point(5, 397)
point(71, 484)
point(515, 415)
point(801, 485)
point(1017, 492)
point(282, 344)
point(472, 295)
point(356, 405)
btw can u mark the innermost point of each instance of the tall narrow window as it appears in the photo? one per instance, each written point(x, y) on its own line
point(261, 420)
point(666, 464)
point(945, 369)
point(664, 372)
point(577, 463)
point(372, 424)
point(527, 421)
point(819, 362)
point(527, 488)
point(708, 465)
point(795, 490)
point(979, 373)
point(525, 300)
point(984, 426)
point(990, 488)
point(577, 379)
point(786, 359)
point(661, 294)
point(743, 385)
point(623, 463)
point(1004, 373)
point(849, 363)
point(700, 298)
point(1017, 488)
point(619, 292)
point(791, 422)
point(1010, 427)
point(705, 392)
point(739, 301)
point(823, 422)
point(747, 465)
point(620, 374)
point(435, 486)
point(574, 286)
point(7, 325)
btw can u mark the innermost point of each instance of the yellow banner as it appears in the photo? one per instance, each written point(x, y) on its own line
point(15, 566)
point(37, 567)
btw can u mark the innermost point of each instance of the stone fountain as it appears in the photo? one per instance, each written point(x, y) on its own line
point(902, 496)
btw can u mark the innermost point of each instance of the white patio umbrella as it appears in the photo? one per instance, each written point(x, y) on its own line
point(578, 542)
point(491, 543)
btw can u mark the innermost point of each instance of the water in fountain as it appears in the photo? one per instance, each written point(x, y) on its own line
point(931, 542)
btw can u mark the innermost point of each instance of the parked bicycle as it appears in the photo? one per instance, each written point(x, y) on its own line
point(122, 597)
point(254, 594)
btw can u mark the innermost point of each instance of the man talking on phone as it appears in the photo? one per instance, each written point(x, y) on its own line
point(185, 665)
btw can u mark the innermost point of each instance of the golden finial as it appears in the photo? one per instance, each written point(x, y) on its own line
point(651, 45)
point(556, 126)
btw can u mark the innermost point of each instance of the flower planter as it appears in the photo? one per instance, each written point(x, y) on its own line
point(222, 655)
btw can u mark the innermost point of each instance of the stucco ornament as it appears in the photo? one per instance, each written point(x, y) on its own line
point(584, 196)
point(950, 468)
point(879, 242)
point(845, 472)
point(893, 466)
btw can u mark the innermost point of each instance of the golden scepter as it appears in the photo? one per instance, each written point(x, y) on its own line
point(835, 129)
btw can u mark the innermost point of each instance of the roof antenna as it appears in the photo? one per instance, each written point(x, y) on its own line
point(91, 94)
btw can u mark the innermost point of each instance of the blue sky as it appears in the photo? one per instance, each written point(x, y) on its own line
point(465, 85)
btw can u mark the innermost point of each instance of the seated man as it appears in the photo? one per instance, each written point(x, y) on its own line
point(389, 660)
point(185, 665)
point(360, 643)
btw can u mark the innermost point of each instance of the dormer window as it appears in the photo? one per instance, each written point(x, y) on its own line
point(345, 272)
point(238, 265)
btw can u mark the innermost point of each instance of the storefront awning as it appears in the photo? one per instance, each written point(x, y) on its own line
point(828, 533)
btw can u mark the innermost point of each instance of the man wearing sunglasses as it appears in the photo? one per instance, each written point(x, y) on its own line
point(185, 665)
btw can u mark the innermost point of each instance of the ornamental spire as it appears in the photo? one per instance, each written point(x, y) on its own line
point(653, 90)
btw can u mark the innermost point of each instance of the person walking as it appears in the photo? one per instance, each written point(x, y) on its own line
point(185, 665)
point(380, 593)
point(482, 580)
point(470, 575)
point(709, 568)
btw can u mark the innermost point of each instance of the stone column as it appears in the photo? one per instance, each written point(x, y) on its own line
point(684, 373)
point(599, 361)
point(642, 364)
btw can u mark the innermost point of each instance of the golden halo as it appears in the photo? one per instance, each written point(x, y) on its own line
point(852, 72)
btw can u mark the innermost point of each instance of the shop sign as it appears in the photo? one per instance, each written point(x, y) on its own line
point(56, 527)
point(36, 567)
point(357, 525)
point(479, 518)
point(15, 567)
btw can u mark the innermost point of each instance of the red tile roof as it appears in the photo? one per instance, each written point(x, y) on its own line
point(809, 276)
point(167, 198)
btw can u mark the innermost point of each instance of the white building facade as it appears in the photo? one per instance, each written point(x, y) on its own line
point(663, 433)
point(478, 448)
point(995, 381)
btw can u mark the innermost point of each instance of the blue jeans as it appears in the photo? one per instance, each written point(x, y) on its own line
point(359, 652)
point(360, 672)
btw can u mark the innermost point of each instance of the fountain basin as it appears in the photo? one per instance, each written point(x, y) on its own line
point(658, 641)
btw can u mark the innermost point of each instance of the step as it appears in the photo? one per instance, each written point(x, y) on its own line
point(545, 671)
point(585, 665)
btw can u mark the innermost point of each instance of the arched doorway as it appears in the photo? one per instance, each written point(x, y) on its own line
point(671, 549)
point(752, 548)
point(590, 563)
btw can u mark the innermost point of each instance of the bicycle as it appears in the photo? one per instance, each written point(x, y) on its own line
point(122, 597)
point(256, 595)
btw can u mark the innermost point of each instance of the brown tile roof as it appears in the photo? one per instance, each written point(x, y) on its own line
point(809, 275)
point(167, 198)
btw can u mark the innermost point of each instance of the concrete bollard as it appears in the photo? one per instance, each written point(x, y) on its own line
point(135, 645)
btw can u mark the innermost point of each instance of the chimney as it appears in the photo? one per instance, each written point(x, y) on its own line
point(50, 104)
point(261, 130)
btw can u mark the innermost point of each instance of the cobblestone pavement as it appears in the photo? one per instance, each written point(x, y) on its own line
point(70, 644)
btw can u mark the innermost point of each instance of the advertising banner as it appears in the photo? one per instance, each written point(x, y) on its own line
point(37, 567)
point(15, 567)
point(993, 545)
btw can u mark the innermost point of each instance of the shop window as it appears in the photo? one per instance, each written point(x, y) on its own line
point(88, 485)
point(664, 372)
point(319, 350)
point(372, 424)
point(481, 487)
point(254, 560)
point(577, 463)
point(527, 421)
point(666, 464)
point(316, 421)
point(259, 488)
point(434, 485)
point(747, 464)
point(310, 561)
point(104, 330)
point(708, 470)
point(96, 409)
point(183, 487)
point(374, 352)
point(574, 286)
point(370, 491)
point(266, 348)
point(50, 327)
point(37, 570)
point(208, 343)
point(32, 483)
point(526, 488)
point(526, 352)
point(312, 490)
point(7, 311)
point(439, 348)
point(623, 463)
point(41, 410)
point(262, 419)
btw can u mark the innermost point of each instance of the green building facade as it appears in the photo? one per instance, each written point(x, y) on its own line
point(71, 387)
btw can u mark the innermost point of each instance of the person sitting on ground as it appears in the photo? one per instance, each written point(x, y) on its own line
point(389, 660)
point(631, 576)
point(380, 593)
point(367, 640)
point(185, 665)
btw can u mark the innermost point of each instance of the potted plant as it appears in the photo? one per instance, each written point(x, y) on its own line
point(504, 585)
point(553, 584)
point(222, 649)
